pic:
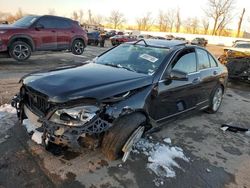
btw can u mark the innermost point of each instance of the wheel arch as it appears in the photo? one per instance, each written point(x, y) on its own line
point(78, 38)
point(24, 38)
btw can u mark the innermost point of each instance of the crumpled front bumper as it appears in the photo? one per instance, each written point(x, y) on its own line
point(57, 133)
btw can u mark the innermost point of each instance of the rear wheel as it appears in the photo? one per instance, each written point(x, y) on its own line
point(115, 138)
point(20, 51)
point(215, 100)
point(77, 47)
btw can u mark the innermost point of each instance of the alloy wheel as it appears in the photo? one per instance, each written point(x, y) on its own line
point(217, 98)
point(21, 51)
point(79, 47)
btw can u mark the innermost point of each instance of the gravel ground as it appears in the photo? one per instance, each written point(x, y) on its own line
point(215, 158)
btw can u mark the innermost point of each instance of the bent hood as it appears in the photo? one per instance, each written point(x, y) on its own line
point(85, 81)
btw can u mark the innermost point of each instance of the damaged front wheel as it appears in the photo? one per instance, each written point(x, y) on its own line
point(117, 136)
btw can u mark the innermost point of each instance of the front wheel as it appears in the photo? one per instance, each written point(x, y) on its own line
point(115, 138)
point(215, 100)
point(77, 47)
point(20, 51)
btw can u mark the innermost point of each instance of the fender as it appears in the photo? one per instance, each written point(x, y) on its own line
point(78, 37)
point(22, 36)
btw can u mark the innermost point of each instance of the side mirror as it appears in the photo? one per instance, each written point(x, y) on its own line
point(39, 26)
point(178, 75)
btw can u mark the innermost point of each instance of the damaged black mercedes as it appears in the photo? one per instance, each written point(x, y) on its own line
point(112, 100)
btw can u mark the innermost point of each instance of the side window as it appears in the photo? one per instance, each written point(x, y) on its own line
point(46, 22)
point(202, 59)
point(62, 24)
point(213, 63)
point(185, 62)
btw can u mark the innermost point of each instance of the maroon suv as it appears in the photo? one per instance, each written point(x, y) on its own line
point(41, 33)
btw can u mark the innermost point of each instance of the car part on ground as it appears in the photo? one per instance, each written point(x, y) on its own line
point(126, 87)
point(41, 33)
point(232, 128)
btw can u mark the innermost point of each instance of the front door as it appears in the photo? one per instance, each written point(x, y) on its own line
point(177, 96)
point(45, 35)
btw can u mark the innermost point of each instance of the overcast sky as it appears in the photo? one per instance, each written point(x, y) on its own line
point(132, 9)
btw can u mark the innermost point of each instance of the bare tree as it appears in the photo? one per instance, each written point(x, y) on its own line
point(178, 20)
point(161, 21)
point(116, 19)
point(240, 21)
point(144, 23)
point(225, 20)
point(75, 16)
point(217, 10)
point(19, 14)
point(166, 20)
point(51, 11)
point(80, 16)
point(205, 24)
point(97, 19)
point(90, 21)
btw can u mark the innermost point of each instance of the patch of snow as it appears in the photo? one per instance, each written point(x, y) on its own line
point(37, 137)
point(247, 132)
point(167, 140)
point(7, 108)
point(161, 157)
point(29, 126)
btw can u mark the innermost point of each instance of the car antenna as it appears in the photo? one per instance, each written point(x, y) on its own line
point(140, 41)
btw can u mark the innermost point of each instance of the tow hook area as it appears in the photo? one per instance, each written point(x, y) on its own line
point(128, 146)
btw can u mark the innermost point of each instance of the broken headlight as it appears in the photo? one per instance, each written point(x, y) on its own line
point(76, 116)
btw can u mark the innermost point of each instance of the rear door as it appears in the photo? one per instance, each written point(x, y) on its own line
point(174, 96)
point(64, 30)
point(44, 33)
point(208, 73)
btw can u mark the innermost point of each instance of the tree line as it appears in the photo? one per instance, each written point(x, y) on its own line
point(218, 14)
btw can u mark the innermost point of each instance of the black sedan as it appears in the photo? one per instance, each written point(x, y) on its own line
point(121, 94)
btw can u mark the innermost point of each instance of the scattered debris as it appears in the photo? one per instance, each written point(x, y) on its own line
point(37, 137)
point(231, 128)
point(31, 129)
point(167, 140)
point(119, 165)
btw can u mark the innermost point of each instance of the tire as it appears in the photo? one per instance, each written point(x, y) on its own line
point(115, 138)
point(77, 47)
point(215, 100)
point(20, 51)
point(96, 43)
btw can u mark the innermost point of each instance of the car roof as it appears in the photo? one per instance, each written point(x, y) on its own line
point(161, 43)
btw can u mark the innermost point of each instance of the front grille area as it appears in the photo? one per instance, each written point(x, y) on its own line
point(36, 102)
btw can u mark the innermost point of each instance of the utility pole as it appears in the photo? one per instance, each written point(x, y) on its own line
point(240, 21)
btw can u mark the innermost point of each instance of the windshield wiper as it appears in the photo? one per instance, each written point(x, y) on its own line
point(119, 66)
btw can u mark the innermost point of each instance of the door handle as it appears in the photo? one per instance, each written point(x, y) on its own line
point(53, 31)
point(196, 80)
point(215, 72)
